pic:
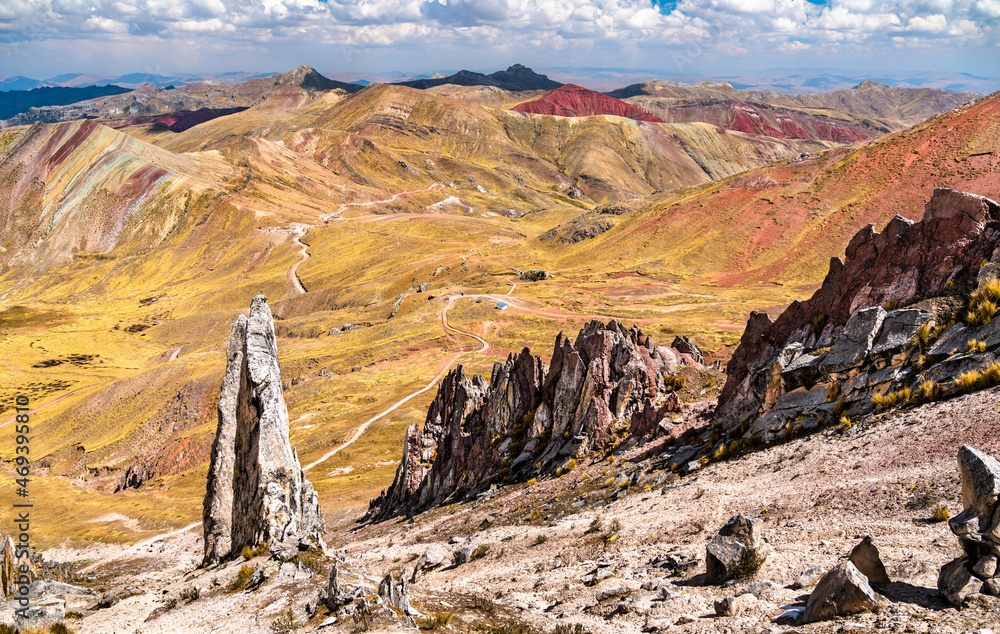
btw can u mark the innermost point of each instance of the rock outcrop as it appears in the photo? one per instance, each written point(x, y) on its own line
point(848, 345)
point(256, 489)
point(529, 420)
point(737, 552)
point(977, 528)
point(841, 592)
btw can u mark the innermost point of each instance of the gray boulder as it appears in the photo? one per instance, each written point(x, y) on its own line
point(809, 576)
point(270, 501)
point(841, 592)
point(956, 583)
point(433, 557)
point(980, 483)
point(738, 551)
point(464, 554)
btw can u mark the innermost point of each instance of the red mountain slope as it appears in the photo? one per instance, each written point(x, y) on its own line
point(576, 101)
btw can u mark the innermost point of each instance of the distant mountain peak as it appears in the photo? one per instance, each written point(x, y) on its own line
point(516, 78)
point(870, 84)
point(309, 78)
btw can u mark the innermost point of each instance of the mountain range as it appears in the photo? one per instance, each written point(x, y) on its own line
point(407, 239)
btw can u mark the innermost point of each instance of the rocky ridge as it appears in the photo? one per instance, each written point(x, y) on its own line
point(843, 354)
point(531, 420)
point(257, 492)
point(516, 78)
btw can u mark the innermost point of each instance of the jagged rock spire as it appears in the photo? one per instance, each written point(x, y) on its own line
point(256, 489)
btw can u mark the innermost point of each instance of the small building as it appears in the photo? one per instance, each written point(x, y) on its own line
point(501, 305)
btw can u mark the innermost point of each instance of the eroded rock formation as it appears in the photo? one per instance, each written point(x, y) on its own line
point(530, 420)
point(256, 489)
point(830, 355)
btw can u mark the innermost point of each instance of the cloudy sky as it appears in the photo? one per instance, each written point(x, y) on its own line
point(42, 38)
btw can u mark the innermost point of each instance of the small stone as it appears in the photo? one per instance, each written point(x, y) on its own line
point(842, 591)
point(758, 588)
point(866, 557)
point(737, 551)
point(992, 587)
point(734, 606)
point(809, 576)
point(684, 619)
point(613, 593)
point(464, 554)
point(986, 567)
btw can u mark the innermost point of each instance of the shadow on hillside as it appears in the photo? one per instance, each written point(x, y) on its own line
point(900, 591)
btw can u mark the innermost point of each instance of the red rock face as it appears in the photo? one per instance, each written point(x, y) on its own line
point(528, 421)
point(178, 121)
point(575, 101)
point(907, 259)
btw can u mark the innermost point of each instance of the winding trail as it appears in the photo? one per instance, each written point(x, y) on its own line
point(445, 368)
point(293, 276)
point(344, 206)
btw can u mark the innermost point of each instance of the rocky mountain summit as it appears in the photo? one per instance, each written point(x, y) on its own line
point(257, 493)
point(531, 420)
point(516, 78)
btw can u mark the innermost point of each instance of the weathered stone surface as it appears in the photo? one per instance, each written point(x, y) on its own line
point(956, 581)
point(986, 567)
point(905, 260)
point(980, 480)
point(953, 339)
point(841, 592)
point(396, 594)
point(734, 606)
point(854, 344)
point(433, 557)
point(270, 500)
point(866, 558)
point(954, 366)
point(991, 587)
point(737, 551)
point(898, 329)
point(463, 555)
point(809, 576)
point(48, 601)
point(686, 345)
point(334, 596)
point(528, 421)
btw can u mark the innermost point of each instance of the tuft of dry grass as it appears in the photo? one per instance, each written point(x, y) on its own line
point(929, 391)
point(973, 345)
point(249, 552)
point(890, 400)
point(983, 304)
